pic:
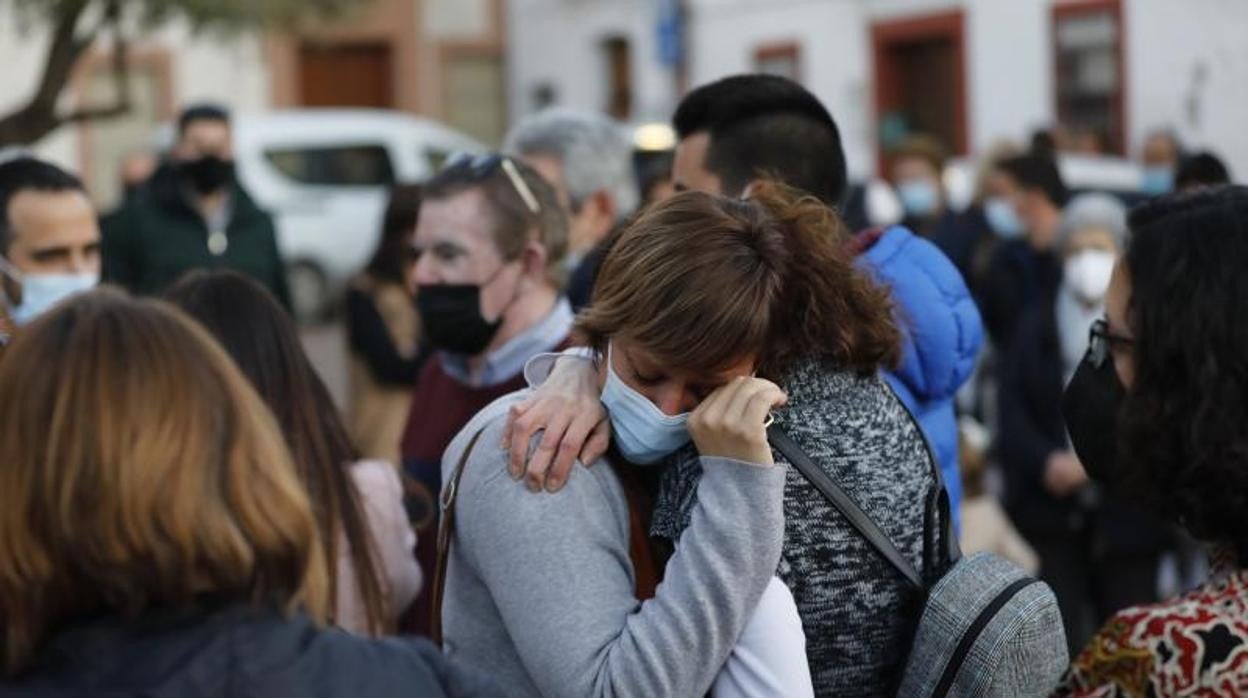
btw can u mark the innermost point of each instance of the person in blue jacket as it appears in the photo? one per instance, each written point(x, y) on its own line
point(746, 127)
point(942, 336)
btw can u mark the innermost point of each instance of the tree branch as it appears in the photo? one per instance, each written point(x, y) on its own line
point(38, 117)
point(64, 51)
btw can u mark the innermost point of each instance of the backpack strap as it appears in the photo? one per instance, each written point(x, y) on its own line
point(449, 494)
point(943, 516)
point(844, 504)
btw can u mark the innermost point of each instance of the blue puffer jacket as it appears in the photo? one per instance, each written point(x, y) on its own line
point(942, 337)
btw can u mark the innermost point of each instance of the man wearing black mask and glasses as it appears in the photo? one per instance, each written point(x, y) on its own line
point(490, 242)
point(192, 214)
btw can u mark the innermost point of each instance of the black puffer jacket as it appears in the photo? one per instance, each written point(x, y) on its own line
point(237, 652)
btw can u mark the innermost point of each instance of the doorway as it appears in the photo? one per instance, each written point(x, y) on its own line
point(346, 75)
point(920, 82)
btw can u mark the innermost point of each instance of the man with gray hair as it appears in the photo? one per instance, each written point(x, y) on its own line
point(587, 158)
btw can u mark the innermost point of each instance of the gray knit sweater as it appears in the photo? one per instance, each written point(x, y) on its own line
point(858, 612)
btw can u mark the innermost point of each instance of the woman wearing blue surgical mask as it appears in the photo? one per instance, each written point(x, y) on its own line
point(701, 303)
point(1098, 555)
point(917, 166)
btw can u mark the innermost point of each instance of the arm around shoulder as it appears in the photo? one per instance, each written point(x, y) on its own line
point(558, 571)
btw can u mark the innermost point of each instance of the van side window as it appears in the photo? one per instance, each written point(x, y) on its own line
point(436, 157)
point(357, 165)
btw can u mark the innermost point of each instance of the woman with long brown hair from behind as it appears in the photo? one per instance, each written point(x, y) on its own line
point(155, 538)
point(358, 503)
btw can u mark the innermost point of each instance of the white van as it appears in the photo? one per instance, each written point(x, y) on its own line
point(324, 175)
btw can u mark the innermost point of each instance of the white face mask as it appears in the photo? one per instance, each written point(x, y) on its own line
point(641, 431)
point(1087, 274)
point(42, 291)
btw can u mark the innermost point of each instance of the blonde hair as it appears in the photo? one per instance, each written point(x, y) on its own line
point(141, 470)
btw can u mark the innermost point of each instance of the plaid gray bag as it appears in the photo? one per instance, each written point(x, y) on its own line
point(986, 627)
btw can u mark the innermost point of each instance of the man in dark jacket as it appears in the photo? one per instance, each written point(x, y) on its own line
point(1023, 273)
point(193, 214)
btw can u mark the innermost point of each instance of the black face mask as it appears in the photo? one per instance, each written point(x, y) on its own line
point(1090, 407)
point(207, 174)
point(450, 315)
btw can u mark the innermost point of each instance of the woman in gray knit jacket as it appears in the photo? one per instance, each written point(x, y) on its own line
point(857, 611)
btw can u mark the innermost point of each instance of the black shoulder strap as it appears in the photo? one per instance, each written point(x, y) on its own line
point(844, 504)
point(946, 538)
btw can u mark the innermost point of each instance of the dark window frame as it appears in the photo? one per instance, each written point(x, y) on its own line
point(321, 170)
point(1116, 143)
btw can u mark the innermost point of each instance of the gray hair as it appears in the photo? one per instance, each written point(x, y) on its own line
point(1094, 211)
point(592, 149)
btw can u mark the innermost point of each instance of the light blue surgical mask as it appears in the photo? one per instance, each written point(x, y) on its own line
point(1157, 180)
point(42, 291)
point(641, 431)
point(1003, 219)
point(918, 197)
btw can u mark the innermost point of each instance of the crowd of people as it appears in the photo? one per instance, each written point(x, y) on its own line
point(682, 434)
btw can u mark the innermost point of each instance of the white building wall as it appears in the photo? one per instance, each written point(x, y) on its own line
point(1188, 69)
point(558, 42)
point(1186, 61)
point(208, 67)
point(835, 56)
point(1009, 61)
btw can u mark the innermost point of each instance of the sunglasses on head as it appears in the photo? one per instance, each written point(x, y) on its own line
point(483, 166)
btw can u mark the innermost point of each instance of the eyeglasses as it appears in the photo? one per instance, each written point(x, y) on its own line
point(484, 166)
point(1101, 343)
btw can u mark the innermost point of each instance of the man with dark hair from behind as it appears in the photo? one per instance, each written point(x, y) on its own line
point(1023, 272)
point(49, 240)
point(192, 214)
point(744, 127)
point(1201, 170)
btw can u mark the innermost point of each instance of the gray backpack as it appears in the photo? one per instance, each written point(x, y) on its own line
point(986, 629)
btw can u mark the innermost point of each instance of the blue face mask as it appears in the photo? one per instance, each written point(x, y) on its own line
point(1003, 219)
point(1157, 180)
point(918, 197)
point(641, 431)
point(42, 291)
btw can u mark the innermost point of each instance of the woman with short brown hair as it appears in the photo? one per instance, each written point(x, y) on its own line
point(698, 301)
point(154, 537)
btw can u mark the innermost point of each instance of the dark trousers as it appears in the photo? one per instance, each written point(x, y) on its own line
point(1091, 588)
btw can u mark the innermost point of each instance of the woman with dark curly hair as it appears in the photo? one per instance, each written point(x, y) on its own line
point(1159, 411)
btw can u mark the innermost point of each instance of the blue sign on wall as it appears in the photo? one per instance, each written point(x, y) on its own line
point(670, 30)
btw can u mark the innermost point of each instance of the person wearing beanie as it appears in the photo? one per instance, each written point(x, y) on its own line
point(1098, 555)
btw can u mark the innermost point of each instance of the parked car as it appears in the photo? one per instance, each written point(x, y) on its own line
point(324, 175)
